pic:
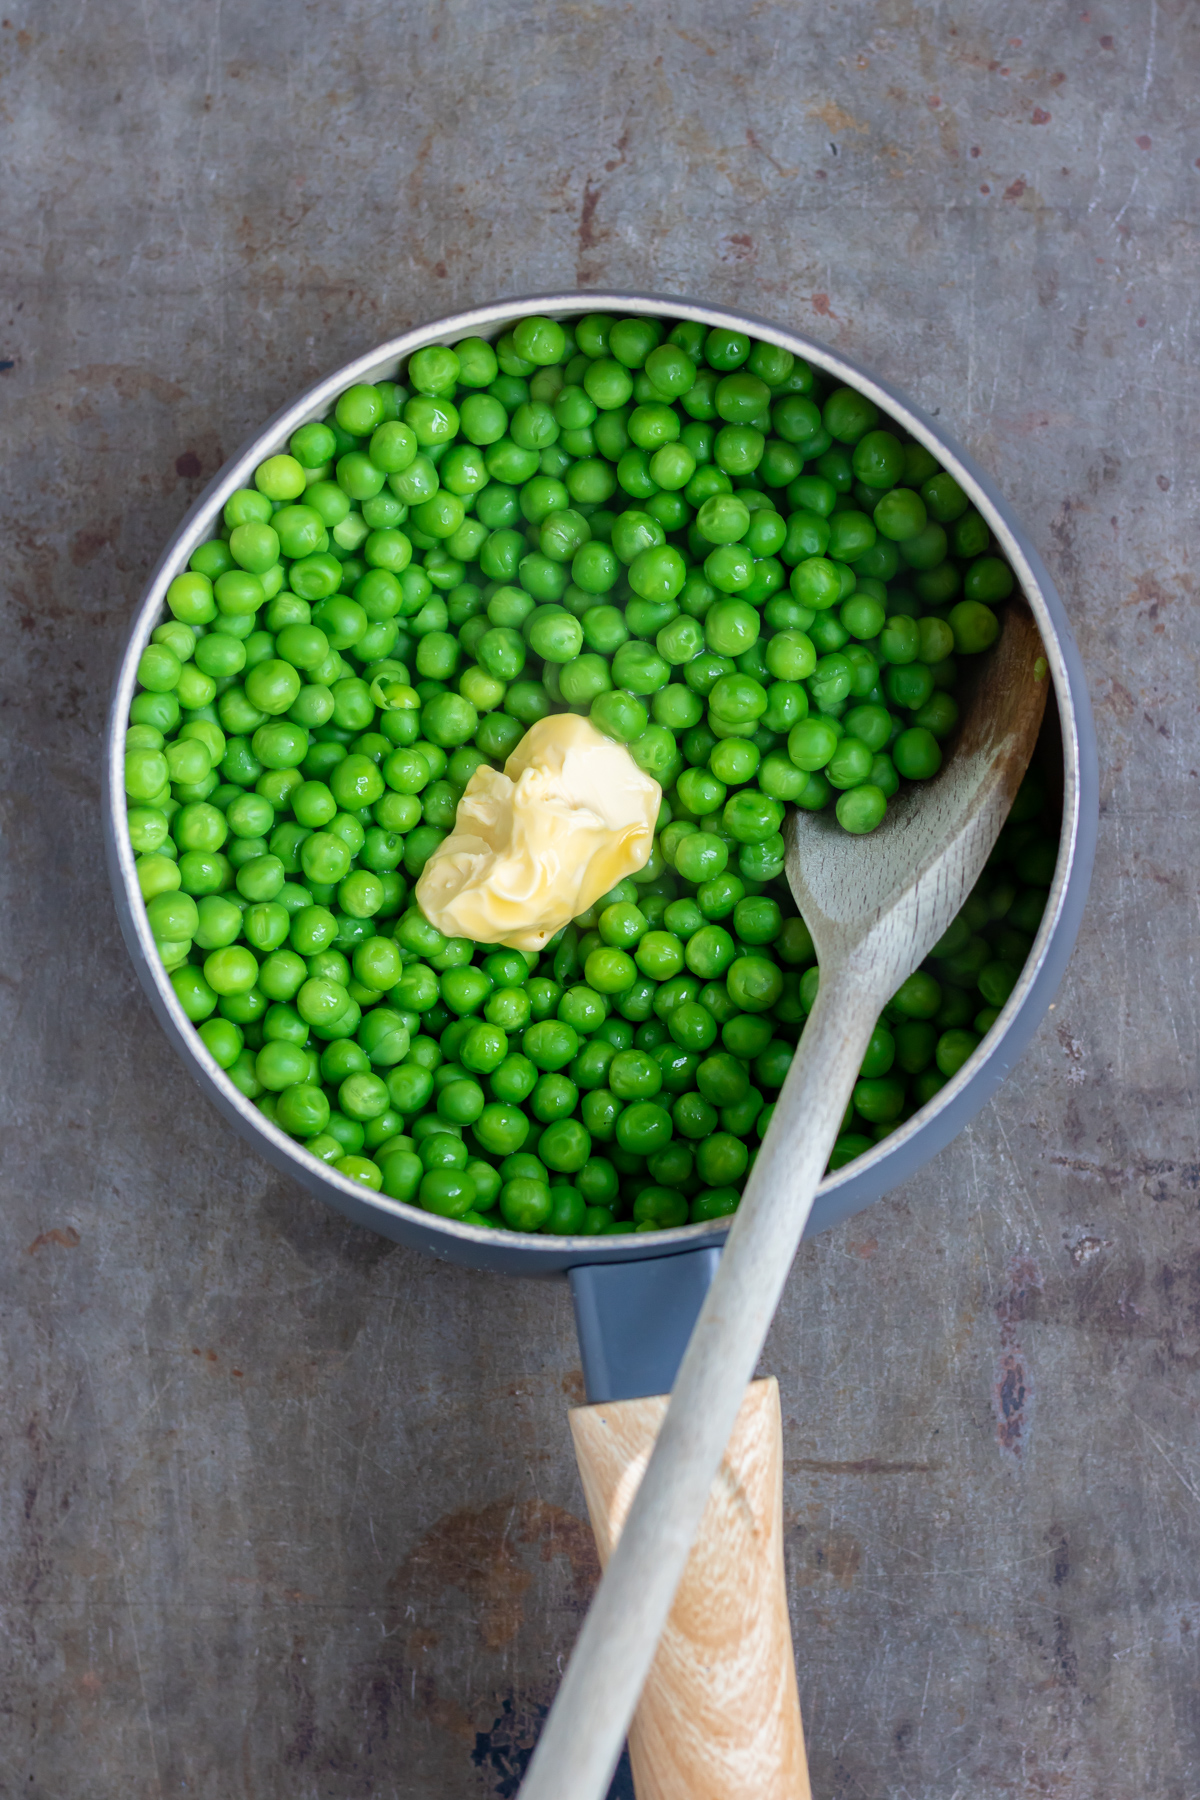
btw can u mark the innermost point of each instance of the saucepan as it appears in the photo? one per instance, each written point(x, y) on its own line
point(637, 1295)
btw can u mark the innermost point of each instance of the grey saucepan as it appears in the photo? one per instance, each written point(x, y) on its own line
point(655, 1278)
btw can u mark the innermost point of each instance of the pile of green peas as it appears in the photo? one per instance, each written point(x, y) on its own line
point(742, 576)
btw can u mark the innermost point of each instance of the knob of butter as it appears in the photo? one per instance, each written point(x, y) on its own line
point(531, 848)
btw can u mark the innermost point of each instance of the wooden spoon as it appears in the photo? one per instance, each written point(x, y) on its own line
point(875, 906)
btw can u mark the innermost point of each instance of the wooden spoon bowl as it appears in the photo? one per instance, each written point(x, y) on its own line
point(881, 895)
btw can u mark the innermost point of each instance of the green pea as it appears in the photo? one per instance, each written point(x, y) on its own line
point(701, 856)
point(280, 1065)
point(953, 1049)
point(146, 774)
point(900, 640)
point(205, 872)
point(878, 459)
point(632, 340)
point(265, 926)
point(831, 681)
point(402, 1175)
point(620, 715)
point(565, 1146)
point(848, 415)
point(643, 1128)
point(722, 1080)
point(173, 915)
point(816, 584)
point(700, 791)
point(718, 897)
point(692, 1027)
point(752, 817)
point(525, 1204)
point(348, 1132)
point(484, 1049)
point(600, 1110)
point(622, 925)
point(448, 1192)
point(811, 744)
point(261, 878)
point(590, 1068)
point(997, 981)
point(724, 518)
point(303, 1110)
point(409, 1086)
point(362, 1170)
point(709, 952)
point(731, 627)
point(439, 1144)
point(721, 1159)
point(325, 858)
point(551, 1043)
point(693, 1116)
point(917, 998)
point(757, 920)
point(926, 549)
point(610, 971)
point(754, 983)
point(568, 1213)
point(917, 754)
point(322, 1002)
point(870, 725)
point(218, 923)
point(739, 1119)
point(738, 698)
point(733, 761)
point(634, 1075)
point(659, 955)
point(594, 566)
point(461, 1101)
point(974, 625)
point(194, 993)
point(149, 832)
point(231, 971)
point(680, 988)
point(554, 1097)
point(850, 764)
point(851, 536)
point(943, 498)
point(284, 1023)
point(659, 1209)
point(862, 807)
point(190, 597)
point(651, 425)
point(900, 514)
point(607, 383)
point(221, 1038)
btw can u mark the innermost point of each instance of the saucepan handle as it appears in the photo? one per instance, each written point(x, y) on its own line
point(719, 1717)
point(634, 1320)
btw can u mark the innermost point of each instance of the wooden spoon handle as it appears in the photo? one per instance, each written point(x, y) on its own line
point(582, 1737)
point(719, 1716)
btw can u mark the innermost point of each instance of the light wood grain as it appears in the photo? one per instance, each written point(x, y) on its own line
point(875, 907)
point(719, 1716)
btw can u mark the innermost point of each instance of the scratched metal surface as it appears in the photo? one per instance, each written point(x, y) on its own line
point(288, 1511)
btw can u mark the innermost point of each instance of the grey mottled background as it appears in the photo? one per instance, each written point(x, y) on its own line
point(288, 1511)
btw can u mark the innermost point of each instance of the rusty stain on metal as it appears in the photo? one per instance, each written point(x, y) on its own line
point(1012, 1394)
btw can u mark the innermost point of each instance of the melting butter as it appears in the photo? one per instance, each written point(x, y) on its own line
point(532, 848)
